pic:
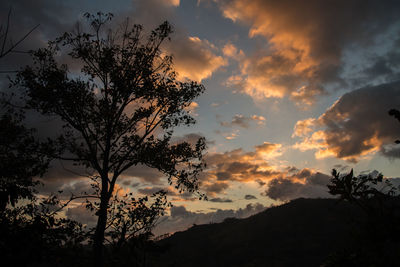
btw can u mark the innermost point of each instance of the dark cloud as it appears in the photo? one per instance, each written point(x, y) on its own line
point(221, 200)
point(302, 184)
point(214, 188)
point(223, 176)
point(307, 42)
point(52, 17)
point(382, 67)
point(358, 124)
point(249, 197)
point(148, 191)
point(81, 214)
point(181, 218)
point(238, 165)
point(145, 174)
point(243, 121)
point(191, 138)
point(76, 187)
point(171, 191)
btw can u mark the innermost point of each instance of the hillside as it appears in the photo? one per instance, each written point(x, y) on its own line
point(302, 232)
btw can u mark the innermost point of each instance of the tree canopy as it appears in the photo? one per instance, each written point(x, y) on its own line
point(119, 110)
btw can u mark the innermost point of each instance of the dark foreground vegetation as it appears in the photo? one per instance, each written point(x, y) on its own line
point(361, 228)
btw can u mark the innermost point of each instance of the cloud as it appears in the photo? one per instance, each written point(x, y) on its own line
point(242, 166)
point(243, 121)
point(148, 191)
point(303, 127)
point(305, 183)
point(229, 135)
point(190, 138)
point(249, 197)
point(145, 174)
point(231, 51)
point(181, 218)
point(171, 191)
point(213, 188)
point(81, 214)
point(306, 43)
point(282, 183)
point(221, 200)
point(269, 150)
point(194, 58)
point(357, 124)
point(52, 18)
point(223, 176)
point(238, 165)
point(191, 109)
point(172, 2)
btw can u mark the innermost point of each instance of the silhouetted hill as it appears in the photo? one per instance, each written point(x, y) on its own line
point(302, 232)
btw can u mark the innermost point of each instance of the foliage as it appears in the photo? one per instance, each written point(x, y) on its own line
point(20, 160)
point(130, 217)
point(378, 232)
point(361, 190)
point(120, 111)
point(45, 235)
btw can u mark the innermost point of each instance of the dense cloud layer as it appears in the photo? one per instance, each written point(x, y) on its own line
point(239, 165)
point(357, 124)
point(281, 183)
point(302, 184)
point(181, 218)
point(306, 42)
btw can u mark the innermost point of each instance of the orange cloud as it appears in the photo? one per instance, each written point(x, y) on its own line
point(356, 125)
point(238, 165)
point(303, 127)
point(194, 58)
point(172, 2)
point(306, 41)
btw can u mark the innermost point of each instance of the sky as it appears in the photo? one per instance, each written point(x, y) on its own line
point(293, 90)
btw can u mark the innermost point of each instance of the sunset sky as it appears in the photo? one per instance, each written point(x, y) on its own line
point(293, 90)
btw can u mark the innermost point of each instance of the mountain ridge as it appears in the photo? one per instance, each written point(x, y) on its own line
point(308, 230)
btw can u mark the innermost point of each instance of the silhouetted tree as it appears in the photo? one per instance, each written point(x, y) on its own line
point(120, 111)
point(20, 160)
point(378, 242)
point(25, 219)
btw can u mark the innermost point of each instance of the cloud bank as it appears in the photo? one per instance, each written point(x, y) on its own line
point(357, 124)
point(306, 43)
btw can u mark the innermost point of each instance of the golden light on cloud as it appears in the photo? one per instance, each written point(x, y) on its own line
point(191, 109)
point(305, 44)
point(355, 126)
point(269, 150)
point(289, 52)
point(172, 2)
point(195, 59)
point(303, 127)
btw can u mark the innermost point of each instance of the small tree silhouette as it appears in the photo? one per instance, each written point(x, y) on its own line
point(378, 242)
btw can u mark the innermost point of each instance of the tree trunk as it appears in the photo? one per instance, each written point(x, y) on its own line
point(98, 239)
